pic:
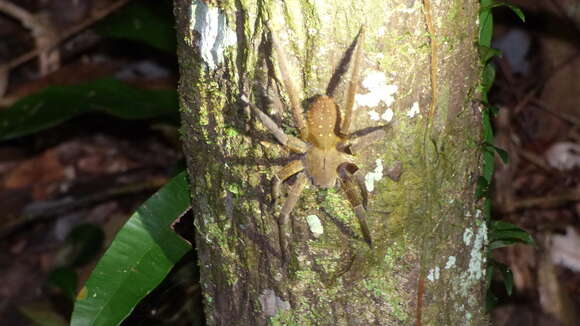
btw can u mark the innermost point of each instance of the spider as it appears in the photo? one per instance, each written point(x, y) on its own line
point(325, 145)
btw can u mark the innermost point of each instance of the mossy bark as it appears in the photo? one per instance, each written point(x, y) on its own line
point(419, 77)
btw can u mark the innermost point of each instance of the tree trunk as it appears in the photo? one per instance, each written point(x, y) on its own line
point(419, 74)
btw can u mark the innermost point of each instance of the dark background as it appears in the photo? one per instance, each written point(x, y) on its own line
point(103, 73)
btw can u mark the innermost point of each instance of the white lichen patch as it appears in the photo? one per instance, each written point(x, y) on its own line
point(414, 110)
point(272, 304)
point(315, 225)
point(214, 35)
point(373, 176)
point(380, 31)
point(477, 255)
point(374, 115)
point(379, 91)
point(433, 274)
point(467, 236)
point(388, 115)
point(450, 262)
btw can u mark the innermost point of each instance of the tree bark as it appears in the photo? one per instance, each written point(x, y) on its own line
point(419, 77)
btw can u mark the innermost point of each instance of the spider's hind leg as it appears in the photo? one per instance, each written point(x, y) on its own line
point(350, 184)
point(284, 232)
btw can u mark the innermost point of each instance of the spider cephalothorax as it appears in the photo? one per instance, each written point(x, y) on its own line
point(325, 144)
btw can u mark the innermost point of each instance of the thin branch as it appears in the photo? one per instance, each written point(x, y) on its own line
point(97, 15)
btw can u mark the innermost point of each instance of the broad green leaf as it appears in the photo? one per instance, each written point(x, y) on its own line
point(485, 23)
point(488, 158)
point(504, 231)
point(486, 53)
point(513, 8)
point(508, 277)
point(65, 279)
point(482, 189)
point(493, 110)
point(503, 155)
point(489, 274)
point(491, 300)
point(149, 22)
point(141, 255)
point(488, 76)
point(56, 104)
point(84, 243)
point(502, 243)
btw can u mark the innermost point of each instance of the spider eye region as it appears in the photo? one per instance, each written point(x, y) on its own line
point(322, 119)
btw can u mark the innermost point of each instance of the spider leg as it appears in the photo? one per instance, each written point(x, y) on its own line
point(286, 172)
point(353, 84)
point(283, 229)
point(289, 141)
point(349, 185)
point(361, 142)
point(297, 111)
point(341, 69)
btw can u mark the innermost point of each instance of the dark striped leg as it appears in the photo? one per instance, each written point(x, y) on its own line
point(350, 186)
point(283, 223)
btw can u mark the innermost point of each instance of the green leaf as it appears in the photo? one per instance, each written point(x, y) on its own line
point(482, 189)
point(493, 110)
point(56, 104)
point(141, 255)
point(485, 23)
point(65, 279)
point(488, 76)
point(508, 276)
point(504, 234)
point(487, 53)
point(515, 9)
point(85, 242)
point(488, 157)
point(503, 155)
point(149, 22)
point(491, 300)
point(489, 274)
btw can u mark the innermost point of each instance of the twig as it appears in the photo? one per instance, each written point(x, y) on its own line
point(544, 202)
point(49, 210)
point(97, 15)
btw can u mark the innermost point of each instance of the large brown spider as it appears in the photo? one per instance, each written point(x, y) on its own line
point(326, 145)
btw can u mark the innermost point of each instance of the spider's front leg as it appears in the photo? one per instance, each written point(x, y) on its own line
point(350, 186)
point(359, 143)
point(293, 95)
point(286, 172)
point(292, 143)
point(353, 85)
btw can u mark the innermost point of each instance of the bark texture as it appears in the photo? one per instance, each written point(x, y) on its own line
point(419, 75)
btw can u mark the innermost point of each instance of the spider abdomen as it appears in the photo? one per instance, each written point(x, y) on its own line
point(322, 119)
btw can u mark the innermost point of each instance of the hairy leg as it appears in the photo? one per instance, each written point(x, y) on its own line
point(361, 142)
point(286, 172)
point(283, 227)
point(350, 186)
point(341, 69)
point(353, 85)
point(291, 142)
point(293, 95)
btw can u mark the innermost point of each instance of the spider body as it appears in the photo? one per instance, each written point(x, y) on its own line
point(324, 138)
point(322, 160)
